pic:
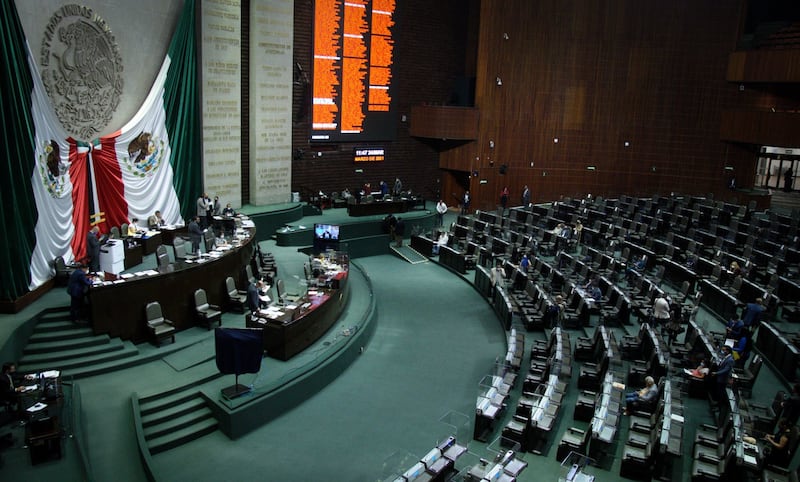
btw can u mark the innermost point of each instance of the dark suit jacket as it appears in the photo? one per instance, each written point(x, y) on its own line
point(725, 369)
point(253, 301)
point(92, 246)
point(195, 233)
point(78, 281)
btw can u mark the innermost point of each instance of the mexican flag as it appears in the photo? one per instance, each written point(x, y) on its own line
point(104, 182)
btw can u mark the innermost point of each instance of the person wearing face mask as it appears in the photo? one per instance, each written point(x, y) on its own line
point(723, 373)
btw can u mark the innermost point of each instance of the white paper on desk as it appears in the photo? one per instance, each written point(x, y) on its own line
point(677, 418)
point(729, 342)
point(29, 388)
point(37, 407)
point(50, 374)
point(118, 281)
point(618, 385)
point(750, 459)
point(126, 275)
point(291, 307)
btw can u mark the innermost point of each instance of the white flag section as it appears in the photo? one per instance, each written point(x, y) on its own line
point(121, 176)
point(52, 188)
point(144, 153)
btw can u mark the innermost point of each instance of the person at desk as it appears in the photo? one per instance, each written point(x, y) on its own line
point(791, 406)
point(201, 206)
point(723, 373)
point(778, 449)
point(228, 211)
point(752, 313)
point(93, 249)
point(741, 350)
point(256, 299)
point(444, 238)
point(733, 329)
point(77, 287)
point(217, 206)
point(637, 266)
point(10, 385)
point(645, 396)
point(155, 221)
point(398, 187)
point(734, 269)
point(195, 234)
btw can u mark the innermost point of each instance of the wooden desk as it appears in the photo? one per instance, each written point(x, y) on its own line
point(381, 207)
point(150, 243)
point(119, 309)
point(133, 255)
point(298, 328)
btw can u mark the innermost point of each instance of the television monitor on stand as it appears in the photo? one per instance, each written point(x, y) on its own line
point(326, 236)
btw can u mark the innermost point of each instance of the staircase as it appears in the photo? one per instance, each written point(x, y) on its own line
point(171, 419)
point(409, 254)
point(58, 343)
point(785, 202)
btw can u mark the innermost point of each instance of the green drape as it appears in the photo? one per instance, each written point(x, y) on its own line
point(181, 104)
point(17, 205)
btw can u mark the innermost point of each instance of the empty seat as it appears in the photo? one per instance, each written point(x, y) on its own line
point(158, 326)
point(237, 300)
point(207, 314)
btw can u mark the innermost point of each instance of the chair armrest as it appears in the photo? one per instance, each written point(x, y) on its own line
point(708, 458)
point(637, 443)
point(214, 307)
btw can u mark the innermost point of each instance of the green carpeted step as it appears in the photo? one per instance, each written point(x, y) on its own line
point(60, 345)
point(125, 351)
point(178, 423)
point(56, 357)
point(70, 333)
point(55, 325)
point(183, 436)
point(59, 314)
point(173, 406)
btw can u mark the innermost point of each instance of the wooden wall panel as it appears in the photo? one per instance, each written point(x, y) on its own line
point(429, 55)
point(596, 75)
point(780, 129)
point(764, 66)
point(444, 122)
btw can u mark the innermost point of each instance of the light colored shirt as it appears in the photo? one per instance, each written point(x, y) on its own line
point(661, 308)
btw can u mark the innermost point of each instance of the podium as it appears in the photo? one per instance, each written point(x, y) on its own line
point(112, 256)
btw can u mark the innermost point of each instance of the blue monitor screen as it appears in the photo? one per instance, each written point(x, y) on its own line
point(326, 232)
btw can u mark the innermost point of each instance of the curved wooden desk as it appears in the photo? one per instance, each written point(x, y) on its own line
point(119, 309)
point(298, 328)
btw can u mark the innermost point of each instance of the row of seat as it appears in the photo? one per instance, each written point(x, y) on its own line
point(437, 465)
point(495, 389)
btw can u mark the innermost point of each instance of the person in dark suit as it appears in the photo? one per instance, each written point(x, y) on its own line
point(10, 384)
point(723, 373)
point(195, 234)
point(79, 282)
point(399, 231)
point(254, 290)
point(93, 249)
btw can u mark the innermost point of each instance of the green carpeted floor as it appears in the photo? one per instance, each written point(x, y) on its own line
point(434, 341)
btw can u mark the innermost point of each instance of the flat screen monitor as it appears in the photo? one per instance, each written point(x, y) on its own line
point(326, 236)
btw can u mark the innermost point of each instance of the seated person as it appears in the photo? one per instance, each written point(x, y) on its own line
point(256, 296)
point(637, 266)
point(698, 373)
point(10, 385)
point(155, 221)
point(643, 397)
point(132, 227)
point(777, 450)
point(443, 239)
point(228, 211)
point(595, 292)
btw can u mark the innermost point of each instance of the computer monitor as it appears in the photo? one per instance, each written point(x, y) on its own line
point(326, 236)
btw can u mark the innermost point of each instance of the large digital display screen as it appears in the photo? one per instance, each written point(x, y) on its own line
point(352, 78)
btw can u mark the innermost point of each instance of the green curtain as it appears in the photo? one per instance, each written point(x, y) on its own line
point(18, 213)
point(182, 107)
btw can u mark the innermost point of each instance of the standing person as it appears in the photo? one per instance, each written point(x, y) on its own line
point(524, 263)
point(93, 249)
point(209, 211)
point(723, 373)
point(254, 294)
point(398, 187)
point(661, 313)
point(752, 314)
point(399, 231)
point(78, 285)
point(217, 206)
point(787, 180)
point(465, 203)
point(526, 196)
point(441, 209)
point(504, 198)
point(201, 206)
point(384, 189)
point(498, 275)
point(195, 234)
